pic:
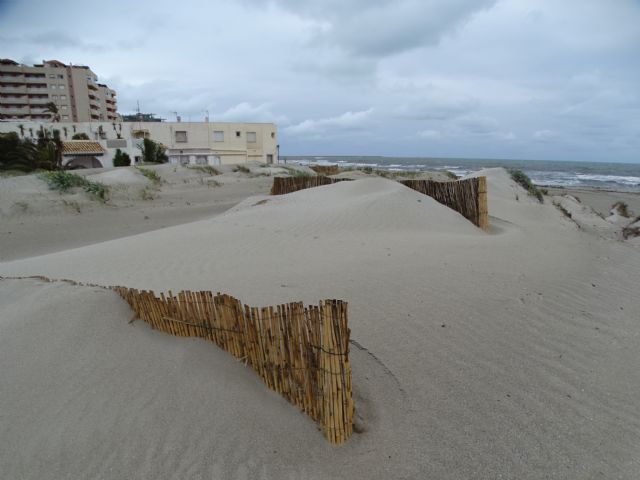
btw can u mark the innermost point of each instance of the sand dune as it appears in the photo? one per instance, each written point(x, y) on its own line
point(506, 354)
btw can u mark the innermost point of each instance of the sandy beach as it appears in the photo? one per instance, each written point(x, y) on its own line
point(511, 353)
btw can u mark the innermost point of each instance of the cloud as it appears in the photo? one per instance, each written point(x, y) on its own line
point(378, 28)
point(543, 135)
point(431, 134)
point(465, 77)
point(246, 112)
point(348, 121)
point(430, 106)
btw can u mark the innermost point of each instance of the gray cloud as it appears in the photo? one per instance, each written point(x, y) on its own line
point(519, 78)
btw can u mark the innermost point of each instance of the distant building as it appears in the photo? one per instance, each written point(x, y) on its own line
point(25, 91)
point(141, 117)
point(186, 143)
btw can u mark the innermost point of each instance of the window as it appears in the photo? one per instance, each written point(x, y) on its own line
point(64, 107)
point(218, 136)
point(61, 87)
point(251, 137)
point(51, 75)
point(63, 97)
point(60, 76)
point(53, 87)
point(65, 117)
point(55, 97)
point(238, 134)
point(201, 159)
point(273, 134)
point(181, 136)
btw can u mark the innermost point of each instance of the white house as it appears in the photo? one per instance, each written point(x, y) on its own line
point(197, 143)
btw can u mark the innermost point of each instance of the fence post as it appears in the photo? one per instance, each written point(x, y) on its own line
point(483, 210)
point(337, 418)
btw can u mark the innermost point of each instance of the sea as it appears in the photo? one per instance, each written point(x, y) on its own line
point(623, 177)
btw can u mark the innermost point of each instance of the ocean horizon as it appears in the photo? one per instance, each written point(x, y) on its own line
point(615, 176)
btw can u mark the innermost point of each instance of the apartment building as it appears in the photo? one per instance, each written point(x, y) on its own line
point(186, 143)
point(25, 91)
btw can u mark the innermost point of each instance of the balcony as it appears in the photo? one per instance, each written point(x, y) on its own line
point(36, 102)
point(14, 110)
point(91, 86)
point(18, 78)
point(36, 80)
point(8, 102)
point(37, 86)
point(12, 89)
point(13, 98)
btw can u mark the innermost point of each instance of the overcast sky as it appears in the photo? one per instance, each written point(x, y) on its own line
point(521, 79)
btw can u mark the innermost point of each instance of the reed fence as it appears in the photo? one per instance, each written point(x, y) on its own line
point(284, 185)
point(300, 353)
point(467, 197)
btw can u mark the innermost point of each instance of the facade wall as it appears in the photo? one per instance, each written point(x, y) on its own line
point(25, 90)
point(186, 142)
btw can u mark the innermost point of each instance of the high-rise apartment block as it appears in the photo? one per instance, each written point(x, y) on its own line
point(74, 89)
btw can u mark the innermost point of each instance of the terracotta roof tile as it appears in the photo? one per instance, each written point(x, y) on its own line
point(82, 147)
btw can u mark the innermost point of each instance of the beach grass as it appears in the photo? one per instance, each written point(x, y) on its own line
point(525, 182)
point(63, 181)
point(151, 175)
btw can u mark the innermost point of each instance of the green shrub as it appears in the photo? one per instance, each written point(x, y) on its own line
point(98, 190)
point(523, 180)
point(63, 181)
point(121, 159)
point(153, 152)
point(80, 136)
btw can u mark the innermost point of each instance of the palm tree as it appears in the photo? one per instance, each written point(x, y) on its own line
point(66, 132)
point(21, 127)
point(52, 108)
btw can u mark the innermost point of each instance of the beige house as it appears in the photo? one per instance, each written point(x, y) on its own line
point(205, 143)
point(194, 143)
point(25, 91)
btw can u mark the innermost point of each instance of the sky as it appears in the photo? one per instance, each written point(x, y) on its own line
point(525, 79)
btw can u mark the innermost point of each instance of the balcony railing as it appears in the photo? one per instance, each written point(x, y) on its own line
point(12, 89)
point(12, 101)
point(35, 79)
point(12, 78)
point(14, 110)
